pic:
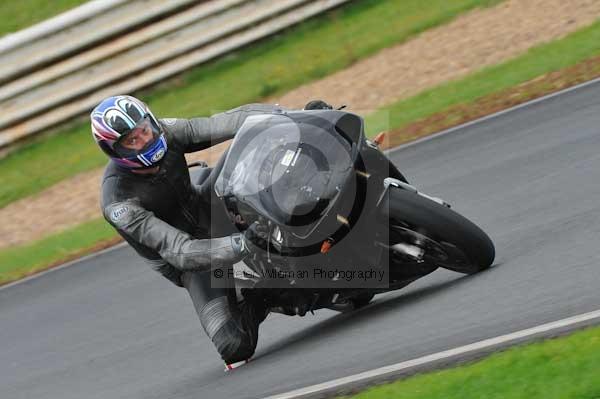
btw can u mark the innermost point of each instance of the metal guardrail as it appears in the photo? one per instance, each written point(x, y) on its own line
point(66, 42)
point(141, 58)
point(55, 24)
point(113, 47)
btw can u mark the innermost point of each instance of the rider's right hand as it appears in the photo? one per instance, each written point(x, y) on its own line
point(256, 235)
point(253, 238)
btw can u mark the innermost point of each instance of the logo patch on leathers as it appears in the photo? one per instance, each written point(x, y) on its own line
point(116, 214)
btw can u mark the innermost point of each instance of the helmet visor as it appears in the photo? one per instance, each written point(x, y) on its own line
point(143, 143)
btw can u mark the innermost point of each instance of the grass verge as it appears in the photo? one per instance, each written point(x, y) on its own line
point(503, 80)
point(22, 261)
point(566, 367)
point(17, 15)
point(311, 50)
point(494, 102)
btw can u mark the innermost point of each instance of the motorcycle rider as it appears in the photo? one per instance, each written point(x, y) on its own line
point(149, 198)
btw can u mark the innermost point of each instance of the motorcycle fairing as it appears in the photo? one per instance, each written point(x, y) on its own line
point(291, 167)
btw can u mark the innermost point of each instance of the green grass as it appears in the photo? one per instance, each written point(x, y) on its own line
point(553, 56)
point(18, 262)
point(567, 367)
point(303, 53)
point(20, 14)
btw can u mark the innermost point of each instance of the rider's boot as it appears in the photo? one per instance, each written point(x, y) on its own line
point(232, 327)
point(237, 340)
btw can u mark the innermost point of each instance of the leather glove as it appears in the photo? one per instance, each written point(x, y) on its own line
point(258, 235)
point(255, 237)
point(317, 104)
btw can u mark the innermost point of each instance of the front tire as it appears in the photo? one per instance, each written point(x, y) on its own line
point(467, 248)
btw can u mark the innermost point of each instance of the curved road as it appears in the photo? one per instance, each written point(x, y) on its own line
point(108, 327)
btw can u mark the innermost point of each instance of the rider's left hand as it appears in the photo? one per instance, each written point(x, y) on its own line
point(317, 104)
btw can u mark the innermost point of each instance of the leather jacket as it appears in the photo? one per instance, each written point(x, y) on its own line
point(165, 217)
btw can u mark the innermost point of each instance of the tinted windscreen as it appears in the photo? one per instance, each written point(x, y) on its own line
point(288, 168)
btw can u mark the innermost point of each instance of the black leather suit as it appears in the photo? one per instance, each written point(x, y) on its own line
point(167, 220)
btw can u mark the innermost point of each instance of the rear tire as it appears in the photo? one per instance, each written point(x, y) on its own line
point(468, 248)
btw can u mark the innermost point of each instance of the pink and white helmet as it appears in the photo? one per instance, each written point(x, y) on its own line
point(117, 116)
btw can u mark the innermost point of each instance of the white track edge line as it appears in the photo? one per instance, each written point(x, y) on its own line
point(477, 346)
point(494, 115)
point(390, 151)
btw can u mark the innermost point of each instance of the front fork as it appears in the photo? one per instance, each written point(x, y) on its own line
point(390, 181)
point(386, 177)
point(377, 164)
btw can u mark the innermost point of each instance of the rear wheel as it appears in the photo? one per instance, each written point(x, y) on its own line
point(443, 237)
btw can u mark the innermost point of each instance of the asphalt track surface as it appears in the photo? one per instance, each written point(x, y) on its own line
point(109, 327)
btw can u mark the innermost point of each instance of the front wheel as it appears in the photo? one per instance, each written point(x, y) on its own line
point(446, 238)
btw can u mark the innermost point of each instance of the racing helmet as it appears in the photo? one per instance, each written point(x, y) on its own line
point(115, 118)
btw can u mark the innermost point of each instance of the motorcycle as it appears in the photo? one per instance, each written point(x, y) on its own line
point(339, 222)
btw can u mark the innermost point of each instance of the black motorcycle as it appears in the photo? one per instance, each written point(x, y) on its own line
point(339, 223)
